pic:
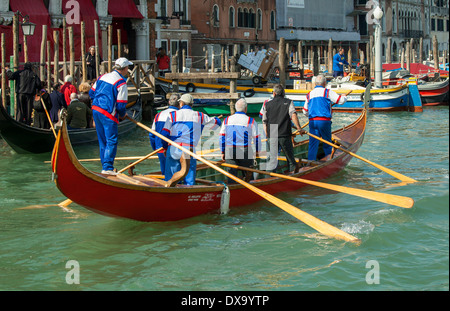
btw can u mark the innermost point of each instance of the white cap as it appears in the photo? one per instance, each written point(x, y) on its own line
point(186, 98)
point(123, 62)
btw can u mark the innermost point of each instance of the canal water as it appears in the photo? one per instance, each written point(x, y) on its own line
point(253, 248)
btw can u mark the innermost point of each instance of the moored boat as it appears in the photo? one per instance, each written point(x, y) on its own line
point(142, 198)
point(434, 93)
point(28, 139)
point(391, 98)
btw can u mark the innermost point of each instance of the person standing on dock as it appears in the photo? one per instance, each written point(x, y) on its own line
point(236, 136)
point(109, 100)
point(277, 115)
point(158, 124)
point(184, 127)
point(163, 62)
point(318, 109)
point(27, 85)
point(338, 63)
point(91, 62)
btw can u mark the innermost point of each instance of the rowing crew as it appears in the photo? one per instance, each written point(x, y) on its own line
point(181, 124)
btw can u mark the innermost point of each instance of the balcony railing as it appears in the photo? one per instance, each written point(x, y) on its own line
point(412, 33)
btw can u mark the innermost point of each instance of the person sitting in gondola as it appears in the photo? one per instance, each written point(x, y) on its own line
point(158, 124)
point(79, 115)
point(184, 127)
point(236, 136)
point(68, 88)
point(58, 102)
point(40, 116)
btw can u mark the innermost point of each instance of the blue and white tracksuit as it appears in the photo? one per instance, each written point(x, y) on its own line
point(239, 130)
point(318, 109)
point(109, 100)
point(184, 127)
point(158, 125)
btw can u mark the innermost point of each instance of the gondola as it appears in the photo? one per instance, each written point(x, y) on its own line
point(144, 198)
point(27, 139)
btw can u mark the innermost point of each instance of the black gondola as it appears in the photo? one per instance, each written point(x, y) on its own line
point(27, 139)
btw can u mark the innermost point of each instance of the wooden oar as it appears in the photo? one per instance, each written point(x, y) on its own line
point(67, 202)
point(48, 117)
point(396, 200)
point(308, 219)
point(384, 169)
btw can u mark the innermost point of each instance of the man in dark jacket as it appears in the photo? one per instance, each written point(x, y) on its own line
point(276, 117)
point(78, 114)
point(27, 85)
point(58, 102)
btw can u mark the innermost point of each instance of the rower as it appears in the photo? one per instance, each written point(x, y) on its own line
point(158, 124)
point(318, 109)
point(236, 135)
point(184, 127)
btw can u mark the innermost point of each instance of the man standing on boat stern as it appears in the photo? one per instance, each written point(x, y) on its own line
point(184, 127)
point(158, 125)
point(338, 63)
point(27, 85)
point(277, 115)
point(236, 136)
point(318, 109)
point(109, 100)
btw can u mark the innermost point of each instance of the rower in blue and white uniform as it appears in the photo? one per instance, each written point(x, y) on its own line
point(237, 134)
point(184, 127)
point(158, 124)
point(317, 108)
point(109, 100)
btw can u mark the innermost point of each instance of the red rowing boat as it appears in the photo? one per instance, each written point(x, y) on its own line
point(143, 198)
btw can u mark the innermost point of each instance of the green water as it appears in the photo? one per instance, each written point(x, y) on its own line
point(258, 247)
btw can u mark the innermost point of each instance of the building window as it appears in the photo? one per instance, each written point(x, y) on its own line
point(245, 17)
point(433, 24)
point(394, 22)
point(362, 25)
point(240, 18)
point(216, 15)
point(231, 17)
point(185, 12)
point(251, 19)
point(163, 8)
point(259, 19)
point(440, 24)
point(272, 20)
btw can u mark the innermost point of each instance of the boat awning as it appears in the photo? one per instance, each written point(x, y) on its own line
point(357, 12)
point(318, 35)
point(38, 14)
point(414, 68)
point(123, 9)
point(88, 14)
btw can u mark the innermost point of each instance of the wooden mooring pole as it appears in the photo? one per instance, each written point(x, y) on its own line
point(56, 57)
point(3, 46)
point(282, 61)
point(83, 52)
